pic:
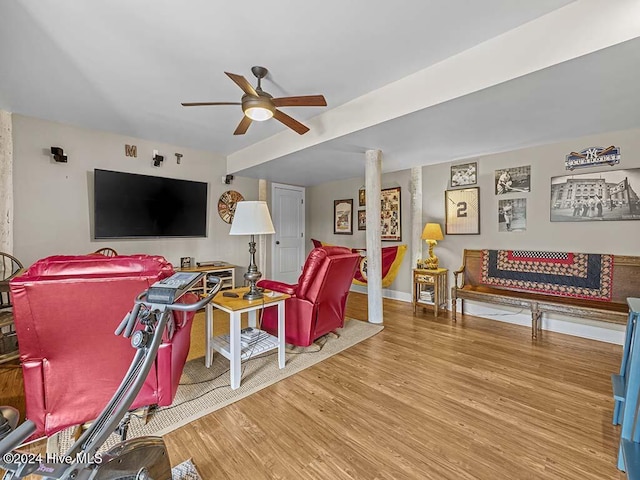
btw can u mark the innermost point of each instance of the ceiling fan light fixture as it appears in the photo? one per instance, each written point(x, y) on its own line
point(259, 114)
point(258, 108)
point(258, 105)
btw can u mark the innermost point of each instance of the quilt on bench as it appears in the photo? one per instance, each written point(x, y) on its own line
point(578, 275)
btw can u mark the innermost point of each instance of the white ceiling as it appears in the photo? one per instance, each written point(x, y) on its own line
point(124, 67)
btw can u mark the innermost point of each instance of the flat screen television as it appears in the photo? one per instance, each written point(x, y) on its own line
point(129, 205)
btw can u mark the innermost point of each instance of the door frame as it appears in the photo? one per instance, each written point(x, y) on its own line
point(303, 250)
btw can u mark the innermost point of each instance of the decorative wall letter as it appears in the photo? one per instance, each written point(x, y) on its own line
point(131, 150)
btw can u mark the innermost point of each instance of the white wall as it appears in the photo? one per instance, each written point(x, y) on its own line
point(54, 201)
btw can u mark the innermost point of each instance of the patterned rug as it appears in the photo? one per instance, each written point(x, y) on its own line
point(579, 275)
point(185, 471)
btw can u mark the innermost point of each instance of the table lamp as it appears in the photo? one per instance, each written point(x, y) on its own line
point(252, 218)
point(431, 234)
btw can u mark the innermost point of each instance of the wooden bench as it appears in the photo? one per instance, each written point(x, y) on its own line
point(468, 285)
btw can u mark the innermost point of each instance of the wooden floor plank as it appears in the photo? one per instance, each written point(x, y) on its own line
point(424, 399)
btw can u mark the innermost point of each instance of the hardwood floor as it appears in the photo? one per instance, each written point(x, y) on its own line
point(424, 399)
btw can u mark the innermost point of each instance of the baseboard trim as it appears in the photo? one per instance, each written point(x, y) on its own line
point(386, 293)
point(593, 330)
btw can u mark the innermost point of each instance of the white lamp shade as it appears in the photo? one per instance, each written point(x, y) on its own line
point(251, 218)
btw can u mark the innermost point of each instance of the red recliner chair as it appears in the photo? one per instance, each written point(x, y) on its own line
point(66, 311)
point(318, 300)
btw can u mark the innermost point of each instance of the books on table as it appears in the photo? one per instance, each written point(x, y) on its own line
point(426, 296)
point(251, 336)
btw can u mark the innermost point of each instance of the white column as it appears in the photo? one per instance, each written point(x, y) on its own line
point(373, 169)
point(262, 239)
point(415, 187)
point(6, 183)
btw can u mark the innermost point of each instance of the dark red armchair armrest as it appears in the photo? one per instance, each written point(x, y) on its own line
point(278, 286)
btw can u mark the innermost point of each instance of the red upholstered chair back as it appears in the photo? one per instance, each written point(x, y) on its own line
point(319, 298)
point(309, 282)
point(66, 310)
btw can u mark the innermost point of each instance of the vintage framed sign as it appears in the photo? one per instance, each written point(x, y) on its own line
point(390, 215)
point(592, 157)
point(462, 211)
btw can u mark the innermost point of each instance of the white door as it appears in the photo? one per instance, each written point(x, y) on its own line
point(288, 254)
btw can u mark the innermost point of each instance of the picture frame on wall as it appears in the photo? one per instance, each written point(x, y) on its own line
point(464, 174)
point(362, 219)
point(513, 180)
point(390, 215)
point(607, 195)
point(343, 217)
point(362, 198)
point(462, 211)
point(512, 215)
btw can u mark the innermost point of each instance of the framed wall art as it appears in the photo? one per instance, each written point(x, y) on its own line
point(343, 217)
point(362, 198)
point(514, 179)
point(512, 215)
point(465, 174)
point(390, 213)
point(606, 195)
point(362, 219)
point(462, 211)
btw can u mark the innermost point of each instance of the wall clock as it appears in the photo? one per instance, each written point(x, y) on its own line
point(227, 204)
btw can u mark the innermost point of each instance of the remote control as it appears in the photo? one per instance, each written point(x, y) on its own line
point(229, 294)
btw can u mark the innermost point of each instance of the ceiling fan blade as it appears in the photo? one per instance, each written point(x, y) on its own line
point(300, 101)
point(242, 127)
point(243, 83)
point(201, 104)
point(290, 122)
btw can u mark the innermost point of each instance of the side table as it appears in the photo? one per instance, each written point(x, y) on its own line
point(230, 346)
point(430, 289)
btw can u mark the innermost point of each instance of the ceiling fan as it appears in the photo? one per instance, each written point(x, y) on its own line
point(258, 105)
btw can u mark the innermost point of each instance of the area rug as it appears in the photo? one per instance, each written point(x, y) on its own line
point(203, 390)
point(185, 471)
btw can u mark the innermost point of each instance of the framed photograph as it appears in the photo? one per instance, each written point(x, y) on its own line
point(606, 195)
point(343, 217)
point(513, 180)
point(362, 219)
point(362, 199)
point(462, 211)
point(390, 215)
point(512, 215)
point(465, 174)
